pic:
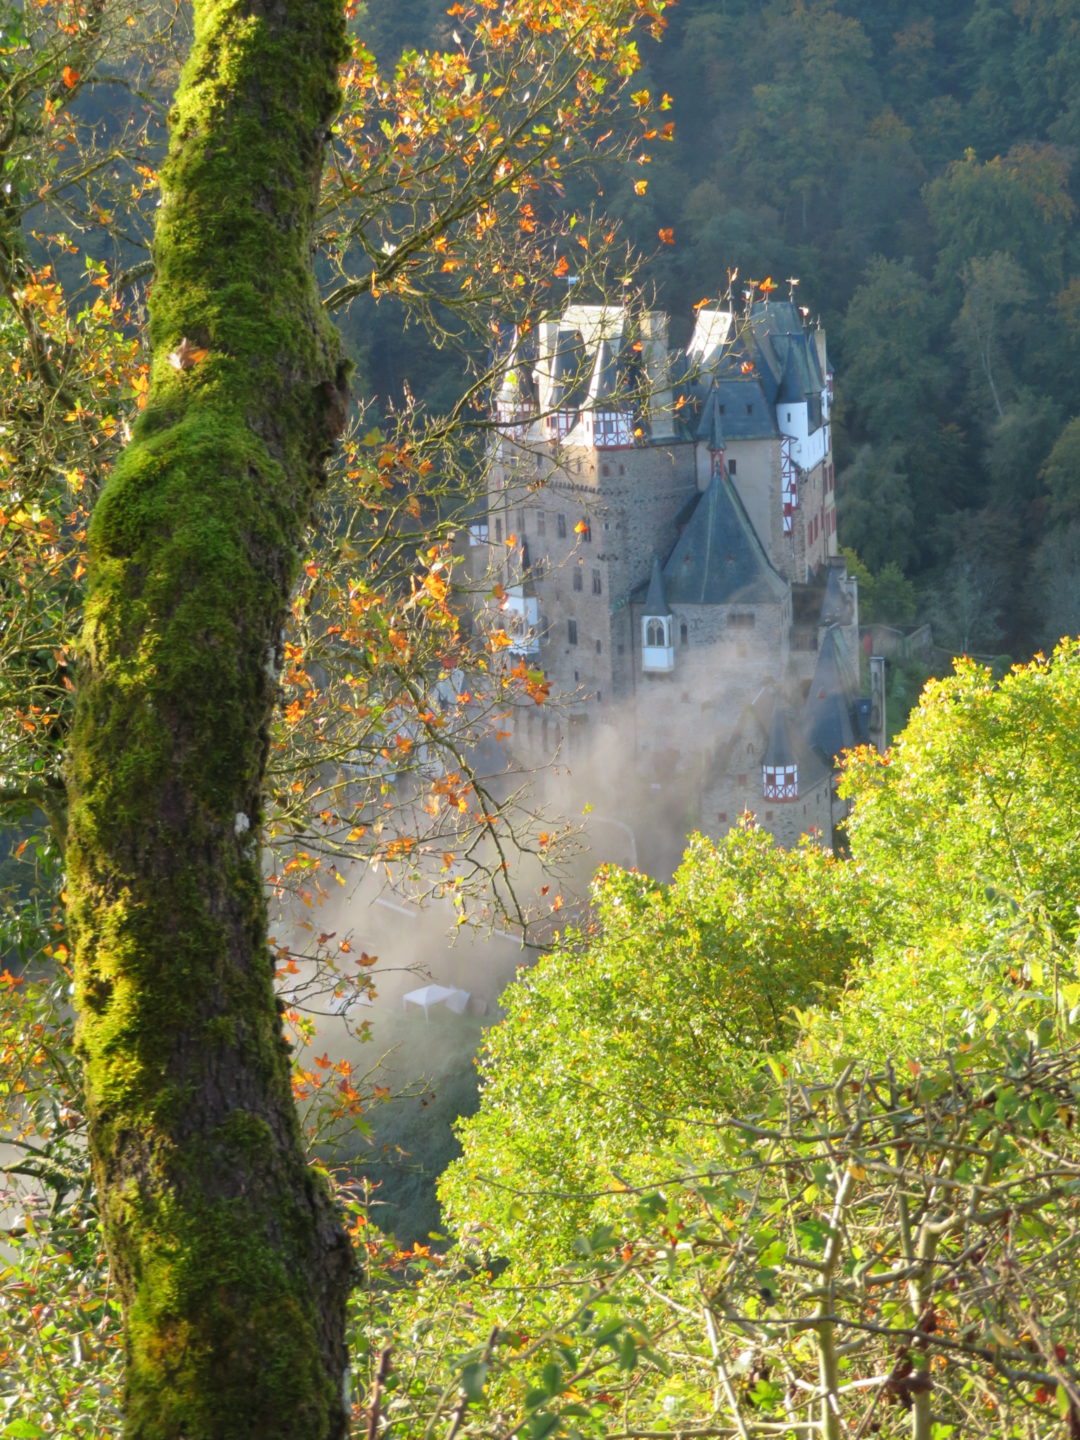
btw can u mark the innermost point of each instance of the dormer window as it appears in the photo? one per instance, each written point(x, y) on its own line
point(560, 422)
point(612, 429)
point(780, 782)
point(657, 654)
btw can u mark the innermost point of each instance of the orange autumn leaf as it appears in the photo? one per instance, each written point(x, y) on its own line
point(667, 236)
point(70, 77)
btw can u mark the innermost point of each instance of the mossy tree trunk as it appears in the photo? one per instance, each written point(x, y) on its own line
point(230, 1261)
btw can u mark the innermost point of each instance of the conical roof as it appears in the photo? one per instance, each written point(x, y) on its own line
point(826, 717)
point(711, 427)
point(780, 750)
point(655, 599)
point(718, 559)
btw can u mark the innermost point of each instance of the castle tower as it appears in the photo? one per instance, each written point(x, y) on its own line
point(670, 565)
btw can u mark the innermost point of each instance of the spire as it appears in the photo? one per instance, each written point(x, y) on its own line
point(826, 715)
point(780, 767)
point(780, 751)
point(710, 427)
point(655, 599)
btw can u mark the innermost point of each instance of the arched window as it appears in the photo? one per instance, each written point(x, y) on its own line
point(655, 632)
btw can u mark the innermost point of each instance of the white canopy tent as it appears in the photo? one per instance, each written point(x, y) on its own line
point(428, 995)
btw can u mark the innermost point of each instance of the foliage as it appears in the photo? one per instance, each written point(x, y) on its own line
point(887, 598)
point(703, 973)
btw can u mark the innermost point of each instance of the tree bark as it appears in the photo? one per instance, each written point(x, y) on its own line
point(229, 1258)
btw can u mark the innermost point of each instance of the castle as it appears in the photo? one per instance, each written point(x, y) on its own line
point(663, 530)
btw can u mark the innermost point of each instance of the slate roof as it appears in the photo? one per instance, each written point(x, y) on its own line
point(742, 408)
point(780, 749)
point(785, 353)
point(718, 559)
point(570, 376)
point(711, 425)
point(788, 745)
point(655, 599)
point(826, 717)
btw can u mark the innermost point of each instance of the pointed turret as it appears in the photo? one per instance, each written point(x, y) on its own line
point(780, 767)
point(657, 651)
point(826, 717)
point(710, 428)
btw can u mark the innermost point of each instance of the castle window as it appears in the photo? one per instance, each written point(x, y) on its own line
point(478, 534)
point(731, 467)
point(599, 696)
point(722, 817)
point(541, 523)
point(560, 526)
point(722, 409)
point(571, 635)
point(684, 635)
point(742, 620)
point(749, 409)
point(596, 587)
point(498, 531)
point(740, 779)
point(578, 582)
point(780, 782)
point(656, 632)
point(521, 522)
point(605, 468)
point(622, 469)
point(599, 646)
point(586, 533)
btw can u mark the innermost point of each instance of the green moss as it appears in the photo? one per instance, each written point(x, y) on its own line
point(231, 1269)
